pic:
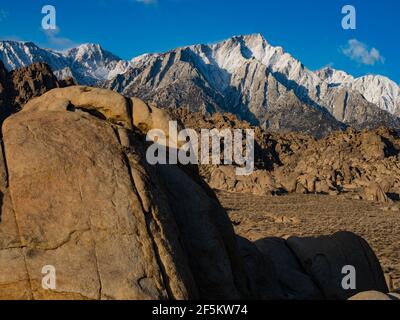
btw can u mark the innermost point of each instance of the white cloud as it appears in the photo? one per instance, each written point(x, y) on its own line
point(360, 52)
point(57, 42)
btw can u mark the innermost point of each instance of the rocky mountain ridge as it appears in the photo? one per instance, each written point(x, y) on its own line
point(376, 89)
point(244, 75)
point(87, 64)
point(260, 83)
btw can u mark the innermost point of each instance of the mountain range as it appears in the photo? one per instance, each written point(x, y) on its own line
point(88, 64)
point(243, 75)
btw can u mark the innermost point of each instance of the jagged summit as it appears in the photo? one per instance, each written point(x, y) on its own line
point(333, 76)
point(93, 64)
point(89, 49)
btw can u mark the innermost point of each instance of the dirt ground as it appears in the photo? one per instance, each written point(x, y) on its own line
point(257, 217)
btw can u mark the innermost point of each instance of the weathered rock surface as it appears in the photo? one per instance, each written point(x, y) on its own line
point(114, 228)
point(312, 268)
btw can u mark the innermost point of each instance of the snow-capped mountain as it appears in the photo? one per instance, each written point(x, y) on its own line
point(88, 63)
point(247, 76)
point(93, 62)
point(244, 75)
point(376, 89)
point(16, 54)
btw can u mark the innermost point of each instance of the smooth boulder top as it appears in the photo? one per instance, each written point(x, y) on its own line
point(106, 104)
point(372, 296)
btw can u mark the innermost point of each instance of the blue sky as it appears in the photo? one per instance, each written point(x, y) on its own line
point(310, 30)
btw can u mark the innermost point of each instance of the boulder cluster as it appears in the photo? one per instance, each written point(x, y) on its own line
point(365, 164)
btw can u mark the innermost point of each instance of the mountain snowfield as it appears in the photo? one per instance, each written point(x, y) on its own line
point(88, 63)
point(244, 75)
point(377, 89)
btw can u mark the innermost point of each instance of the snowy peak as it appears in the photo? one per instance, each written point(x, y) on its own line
point(379, 90)
point(231, 53)
point(91, 52)
point(248, 76)
point(234, 52)
point(376, 89)
point(230, 56)
point(16, 54)
point(94, 63)
point(87, 63)
point(333, 76)
point(227, 61)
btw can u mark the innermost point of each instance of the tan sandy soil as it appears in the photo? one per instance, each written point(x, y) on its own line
point(257, 217)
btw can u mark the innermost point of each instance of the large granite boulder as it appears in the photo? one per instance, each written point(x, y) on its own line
point(77, 194)
point(262, 272)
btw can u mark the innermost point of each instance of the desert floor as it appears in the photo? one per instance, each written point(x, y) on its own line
point(257, 217)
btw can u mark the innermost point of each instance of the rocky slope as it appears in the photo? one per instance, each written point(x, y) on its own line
point(20, 85)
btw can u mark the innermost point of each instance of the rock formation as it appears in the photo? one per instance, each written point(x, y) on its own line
point(375, 296)
point(20, 85)
point(78, 195)
point(365, 163)
point(324, 258)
